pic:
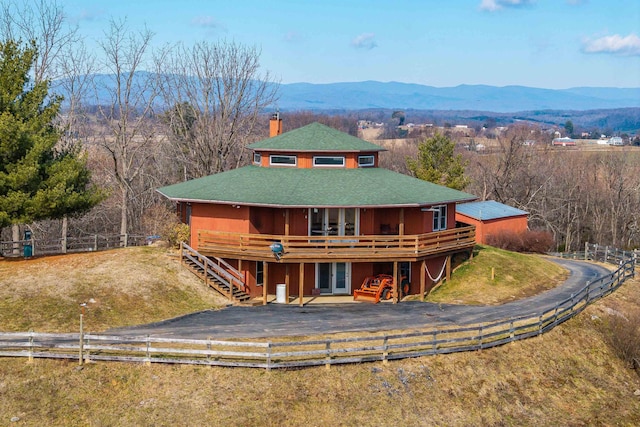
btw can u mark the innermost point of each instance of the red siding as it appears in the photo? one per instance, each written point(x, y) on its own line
point(218, 217)
point(485, 228)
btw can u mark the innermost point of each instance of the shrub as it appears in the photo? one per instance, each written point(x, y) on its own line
point(177, 233)
point(536, 241)
point(622, 334)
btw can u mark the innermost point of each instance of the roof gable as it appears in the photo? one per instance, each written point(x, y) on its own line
point(315, 137)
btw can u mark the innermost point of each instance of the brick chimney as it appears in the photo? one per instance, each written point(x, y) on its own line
point(275, 125)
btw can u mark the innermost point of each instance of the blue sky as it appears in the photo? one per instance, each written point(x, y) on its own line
point(539, 43)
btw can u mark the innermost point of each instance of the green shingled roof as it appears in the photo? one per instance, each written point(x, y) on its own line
point(315, 137)
point(314, 187)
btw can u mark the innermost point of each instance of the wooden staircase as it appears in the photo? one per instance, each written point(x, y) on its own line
point(216, 273)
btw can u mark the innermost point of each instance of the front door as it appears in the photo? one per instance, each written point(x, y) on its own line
point(333, 277)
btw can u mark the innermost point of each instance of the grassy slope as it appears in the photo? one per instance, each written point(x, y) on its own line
point(515, 276)
point(566, 377)
point(122, 287)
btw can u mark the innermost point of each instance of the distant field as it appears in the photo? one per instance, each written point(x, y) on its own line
point(372, 134)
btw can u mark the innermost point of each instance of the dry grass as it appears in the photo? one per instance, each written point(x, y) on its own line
point(121, 287)
point(515, 276)
point(567, 377)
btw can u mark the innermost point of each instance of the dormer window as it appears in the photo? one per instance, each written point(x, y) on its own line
point(283, 160)
point(328, 161)
point(257, 158)
point(366, 161)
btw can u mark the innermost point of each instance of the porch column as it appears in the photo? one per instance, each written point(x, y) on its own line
point(286, 222)
point(301, 284)
point(286, 283)
point(423, 268)
point(265, 281)
point(395, 282)
point(448, 268)
point(401, 222)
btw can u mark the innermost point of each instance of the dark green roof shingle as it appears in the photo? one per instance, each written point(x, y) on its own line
point(314, 187)
point(315, 137)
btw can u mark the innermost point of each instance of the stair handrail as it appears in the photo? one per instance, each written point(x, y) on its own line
point(232, 279)
point(228, 272)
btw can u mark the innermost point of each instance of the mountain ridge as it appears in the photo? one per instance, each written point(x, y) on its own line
point(511, 98)
point(372, 94)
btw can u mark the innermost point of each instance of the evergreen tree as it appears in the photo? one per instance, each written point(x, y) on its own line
point(438, 163)
point(38, 179)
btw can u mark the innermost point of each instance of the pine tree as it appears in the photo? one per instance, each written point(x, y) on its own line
point(38, 179)
point(438, 163)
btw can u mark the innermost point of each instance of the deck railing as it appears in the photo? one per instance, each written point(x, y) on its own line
point(300, 248)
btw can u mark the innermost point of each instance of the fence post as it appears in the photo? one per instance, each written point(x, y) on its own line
point(95, 242)
point(148, 359)
point(81, 344)
point(540, 322)
point(30, 360)
point(586, 251)
point(385, 352)
point(327, 365)
point(269, 356)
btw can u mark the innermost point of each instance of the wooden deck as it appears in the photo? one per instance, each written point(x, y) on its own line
point(373, 248)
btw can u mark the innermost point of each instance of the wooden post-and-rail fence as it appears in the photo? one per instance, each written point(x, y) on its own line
point(97, 242)
point(331, 351)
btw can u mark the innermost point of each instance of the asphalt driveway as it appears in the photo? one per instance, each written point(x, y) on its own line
point(276, 320)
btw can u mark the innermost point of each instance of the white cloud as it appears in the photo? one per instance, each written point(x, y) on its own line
point(292, 36)
point(493, 5)
point(364, 41)
point(615, 44)
point(206, 22)
point(89, 15)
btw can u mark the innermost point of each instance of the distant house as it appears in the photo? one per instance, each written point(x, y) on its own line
point(491, 217)
point(563, 142)
point(616, 140)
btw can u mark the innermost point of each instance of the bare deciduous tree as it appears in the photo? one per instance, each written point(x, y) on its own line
point(126, 130)
point(43, 22)
point(217, 92)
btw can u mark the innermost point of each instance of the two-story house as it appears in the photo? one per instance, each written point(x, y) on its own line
point(334, 215)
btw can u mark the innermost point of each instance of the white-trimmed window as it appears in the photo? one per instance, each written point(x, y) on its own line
point(366, 161)
point(328, 161)
point(439, 218)
point(257, 158)
point(283, 160)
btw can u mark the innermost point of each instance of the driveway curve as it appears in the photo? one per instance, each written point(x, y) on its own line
point(278, 320)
